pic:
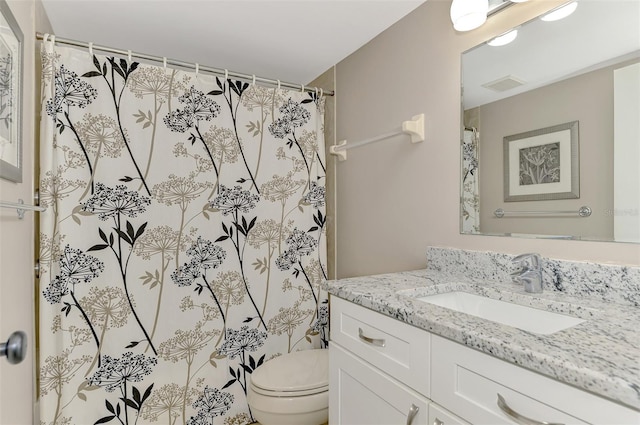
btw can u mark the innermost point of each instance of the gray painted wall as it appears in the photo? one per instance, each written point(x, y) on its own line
point(394, 199)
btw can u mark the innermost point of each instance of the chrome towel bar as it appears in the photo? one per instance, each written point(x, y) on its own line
point(21, 207)
point(581, 212)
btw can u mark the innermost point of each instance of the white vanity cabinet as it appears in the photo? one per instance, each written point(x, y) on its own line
point(383, 371)
point(378, 370)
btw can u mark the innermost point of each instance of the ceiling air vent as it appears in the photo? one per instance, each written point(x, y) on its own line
point(503, 84)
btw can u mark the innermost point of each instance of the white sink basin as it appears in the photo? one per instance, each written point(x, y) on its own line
point(519, 316)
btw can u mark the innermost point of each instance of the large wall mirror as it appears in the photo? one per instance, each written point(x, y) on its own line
point(552, 124)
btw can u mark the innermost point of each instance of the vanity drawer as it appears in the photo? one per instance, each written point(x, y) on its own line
point(396, 348)
point(468, 383)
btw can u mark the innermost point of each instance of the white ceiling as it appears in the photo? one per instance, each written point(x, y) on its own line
point(294, 40)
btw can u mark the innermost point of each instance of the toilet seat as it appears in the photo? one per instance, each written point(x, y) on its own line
point(271, 393)
point(293, 375)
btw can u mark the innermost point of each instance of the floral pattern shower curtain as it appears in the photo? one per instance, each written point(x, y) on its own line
point(183, 242)
point(470, 198)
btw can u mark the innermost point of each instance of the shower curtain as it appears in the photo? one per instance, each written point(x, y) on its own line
point(470, 198)
point(183, 243)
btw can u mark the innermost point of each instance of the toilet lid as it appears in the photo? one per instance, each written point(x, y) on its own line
point(300, 371)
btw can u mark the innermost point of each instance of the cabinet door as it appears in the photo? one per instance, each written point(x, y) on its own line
point(359, 394)
point(439, 416)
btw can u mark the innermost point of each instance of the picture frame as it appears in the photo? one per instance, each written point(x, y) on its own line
point(542, 164)
point(11, 63)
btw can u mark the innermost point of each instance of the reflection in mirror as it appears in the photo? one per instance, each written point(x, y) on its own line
point(584, 68)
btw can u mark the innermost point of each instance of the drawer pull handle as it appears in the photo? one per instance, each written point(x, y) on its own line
point(502, 404)
point(372, 341)
point(412, 413)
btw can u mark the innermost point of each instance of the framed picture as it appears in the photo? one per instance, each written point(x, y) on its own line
point(542, 164)
point(11, 41)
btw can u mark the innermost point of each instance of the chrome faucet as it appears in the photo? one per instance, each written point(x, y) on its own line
point(530, 273)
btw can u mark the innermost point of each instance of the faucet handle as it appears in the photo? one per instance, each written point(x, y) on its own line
point(522, 258)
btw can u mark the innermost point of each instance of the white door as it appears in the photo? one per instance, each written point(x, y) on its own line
point(17, 311)
point(626, 154)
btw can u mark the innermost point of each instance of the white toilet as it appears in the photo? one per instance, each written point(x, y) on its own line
point(292, 389)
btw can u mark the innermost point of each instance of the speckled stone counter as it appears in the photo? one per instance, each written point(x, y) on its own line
point(600, 355)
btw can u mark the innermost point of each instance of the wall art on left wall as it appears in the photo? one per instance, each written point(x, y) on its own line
point(11, 40)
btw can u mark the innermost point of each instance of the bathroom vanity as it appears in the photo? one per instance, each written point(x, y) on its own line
point(396, 358)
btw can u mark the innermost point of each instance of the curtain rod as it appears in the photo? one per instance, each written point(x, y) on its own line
point(194, 66)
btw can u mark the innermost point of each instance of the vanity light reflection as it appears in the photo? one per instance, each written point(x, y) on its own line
point(560, 13)
point(504, 39)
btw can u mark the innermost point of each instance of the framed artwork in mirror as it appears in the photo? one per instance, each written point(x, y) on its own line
point(542, 164)
point(11, 45)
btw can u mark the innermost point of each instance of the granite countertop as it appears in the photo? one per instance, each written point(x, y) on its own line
point(600, 355)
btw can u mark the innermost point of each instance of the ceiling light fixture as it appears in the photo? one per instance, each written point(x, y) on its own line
point(518, 1)
point(503, 39)
point(560, 12)
point(467, 15)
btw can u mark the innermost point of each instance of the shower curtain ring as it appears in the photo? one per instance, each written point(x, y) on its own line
point(253, 81)
point(91, 48)
point(316, 92)
point(301, 88)
point(321, 93)
point(226, 74)
point(164, 62)
point(278, 84)
point(197, 68)
point(129, 56)
point(45, 38)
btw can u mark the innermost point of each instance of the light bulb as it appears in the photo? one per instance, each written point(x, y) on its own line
point(561, 12)
point(468, 14)
point(503, 39)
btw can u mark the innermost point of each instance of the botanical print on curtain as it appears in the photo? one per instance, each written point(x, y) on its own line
point(470, 205)
point(184, 239)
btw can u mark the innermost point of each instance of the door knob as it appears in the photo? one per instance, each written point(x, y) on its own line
point(15, 349)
